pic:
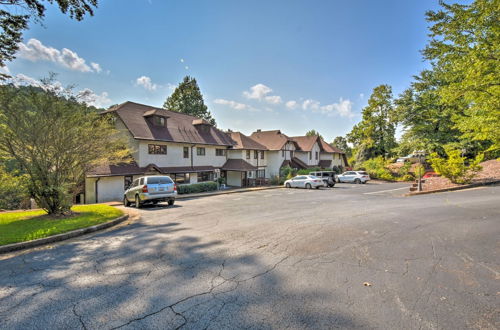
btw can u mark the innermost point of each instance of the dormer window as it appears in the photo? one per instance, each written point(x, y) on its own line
point(157, 117)
point(158, 121)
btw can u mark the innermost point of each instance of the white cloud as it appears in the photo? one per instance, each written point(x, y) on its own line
point(35, 51)
point(146, 82)
point(182, 60)
point(91, 98)
point(186, 67)
point(257, 92)
point(361, 96)
point(232, 104)
point(291, 105)
point(310, 105)
point(274, 99)
point(342, 108)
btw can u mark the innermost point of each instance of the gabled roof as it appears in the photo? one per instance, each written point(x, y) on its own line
point(306, 143)
point(329, 148)
point(179, 127)
point(244, 142)
point(238, 165)
point(272, 140)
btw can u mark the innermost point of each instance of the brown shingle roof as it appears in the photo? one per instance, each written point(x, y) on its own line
point(330, 149)
point(272, 140)
point(179, 127)
point(306, 143)
point(238, 165)
point(133, 169)
point(244, 142)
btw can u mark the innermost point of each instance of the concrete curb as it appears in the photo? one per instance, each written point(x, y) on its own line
point(235, 191)
point(473, 185)
point(61, 237)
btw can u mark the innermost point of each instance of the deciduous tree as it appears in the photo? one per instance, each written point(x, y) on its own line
point(314, 133)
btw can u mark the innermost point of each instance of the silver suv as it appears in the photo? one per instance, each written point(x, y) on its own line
point(328, 177)
point(150, 189)
point(354, 176)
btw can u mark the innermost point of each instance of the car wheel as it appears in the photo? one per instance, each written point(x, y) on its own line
point(308, 186)
point(137, 201)
point(363, 182)
point(357, 181)
point(171, 202)
point(125, 201)
point(317, 187)
point(288, 185)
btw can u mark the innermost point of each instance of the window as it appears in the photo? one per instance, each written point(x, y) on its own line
point(282, 153)
point(186, 152)
point(262, 155)
point(205, 176)
point(127, 181)
point(158, 121)
point(249, 174)
point(261, 173)
point(248, 154)
point(317, 153)
point(310, 155)
point(180, 178)
point(157, 149)
point(220, 152)
point(200, 151)
point(255, 154)
point(159, 180)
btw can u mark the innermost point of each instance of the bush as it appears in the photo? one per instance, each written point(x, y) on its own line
point(286, 171)
point(376, 167)
point(308, 170)
point(13, 191)
point(454, 167)
point(276, 180)
point(196, 187)
point(404, 173)
point(338, 169)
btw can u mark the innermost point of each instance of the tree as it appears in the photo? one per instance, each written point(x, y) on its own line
point(55, 139)
point(314, 133)
point(341, 143)
point(374, 135)
point(427, 121)
point(187, 98)
point(15, 19)
point(454, 167)
point(465, 49)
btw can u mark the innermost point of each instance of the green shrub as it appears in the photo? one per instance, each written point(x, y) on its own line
point(308, 170)
point(404, 173)
point(13, 191)
point(286, 171)
point(276, 180)
point(338, 169)
point(455, 167)
point(376, 167)
point(197, 187)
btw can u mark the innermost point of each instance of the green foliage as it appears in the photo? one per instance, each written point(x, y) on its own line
point(419, 170)
point(464, 51)
point(287, 171)
point(314, 133)
point(338, 169)
point(16, 14)
point(374, 135)
point(13, 191)
point(308, 170)
point(25, 226)
point(455, 167)
point(341, 143)
point(404, 173)
point(55, 140)
point(376, 167)
point(187, 98)
point(196, 187)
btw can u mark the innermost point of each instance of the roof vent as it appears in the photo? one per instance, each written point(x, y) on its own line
point(259, 130)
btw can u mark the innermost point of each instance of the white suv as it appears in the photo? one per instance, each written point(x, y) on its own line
point(150, 189)
point(354, 176)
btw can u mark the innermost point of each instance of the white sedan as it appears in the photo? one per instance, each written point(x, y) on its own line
point(305, 181)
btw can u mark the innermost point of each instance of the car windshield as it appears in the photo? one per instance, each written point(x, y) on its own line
point(312, 177)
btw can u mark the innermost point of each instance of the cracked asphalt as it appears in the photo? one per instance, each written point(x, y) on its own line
point(356, 256)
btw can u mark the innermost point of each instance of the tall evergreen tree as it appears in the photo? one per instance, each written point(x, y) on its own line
point(374, 135)
point(341, 143)
point(187, 98)
point(314, 133)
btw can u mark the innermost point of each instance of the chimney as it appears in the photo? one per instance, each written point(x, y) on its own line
point(259, 130)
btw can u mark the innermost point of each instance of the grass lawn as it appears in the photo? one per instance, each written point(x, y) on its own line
point(29, 225)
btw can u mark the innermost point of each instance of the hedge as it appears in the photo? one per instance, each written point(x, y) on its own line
point(196, 187)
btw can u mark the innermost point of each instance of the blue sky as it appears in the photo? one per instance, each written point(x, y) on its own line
point(289, 65)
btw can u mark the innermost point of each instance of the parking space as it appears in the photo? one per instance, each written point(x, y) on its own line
point(355, 256)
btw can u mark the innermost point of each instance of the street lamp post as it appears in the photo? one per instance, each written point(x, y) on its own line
point(420, 155)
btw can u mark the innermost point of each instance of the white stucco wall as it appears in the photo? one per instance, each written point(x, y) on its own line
point(133, 144)
point(242, 154)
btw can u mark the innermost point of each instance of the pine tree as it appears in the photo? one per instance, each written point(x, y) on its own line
point(187, 98)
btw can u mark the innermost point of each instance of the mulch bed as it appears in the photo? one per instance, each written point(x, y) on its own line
point(489, 173)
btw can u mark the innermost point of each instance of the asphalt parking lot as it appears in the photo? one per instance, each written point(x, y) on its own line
point(356, 256)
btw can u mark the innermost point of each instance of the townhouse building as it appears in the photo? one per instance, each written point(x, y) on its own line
point(190, 150)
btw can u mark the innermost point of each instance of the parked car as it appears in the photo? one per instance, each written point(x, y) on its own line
point(410, 158)
point(150, 190)
point(354, 176)
point(328, 177)
point(305, 181)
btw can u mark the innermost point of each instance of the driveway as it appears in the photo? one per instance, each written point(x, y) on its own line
point(356, 256)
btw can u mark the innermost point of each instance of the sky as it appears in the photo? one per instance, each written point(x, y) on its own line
point(283, 64)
